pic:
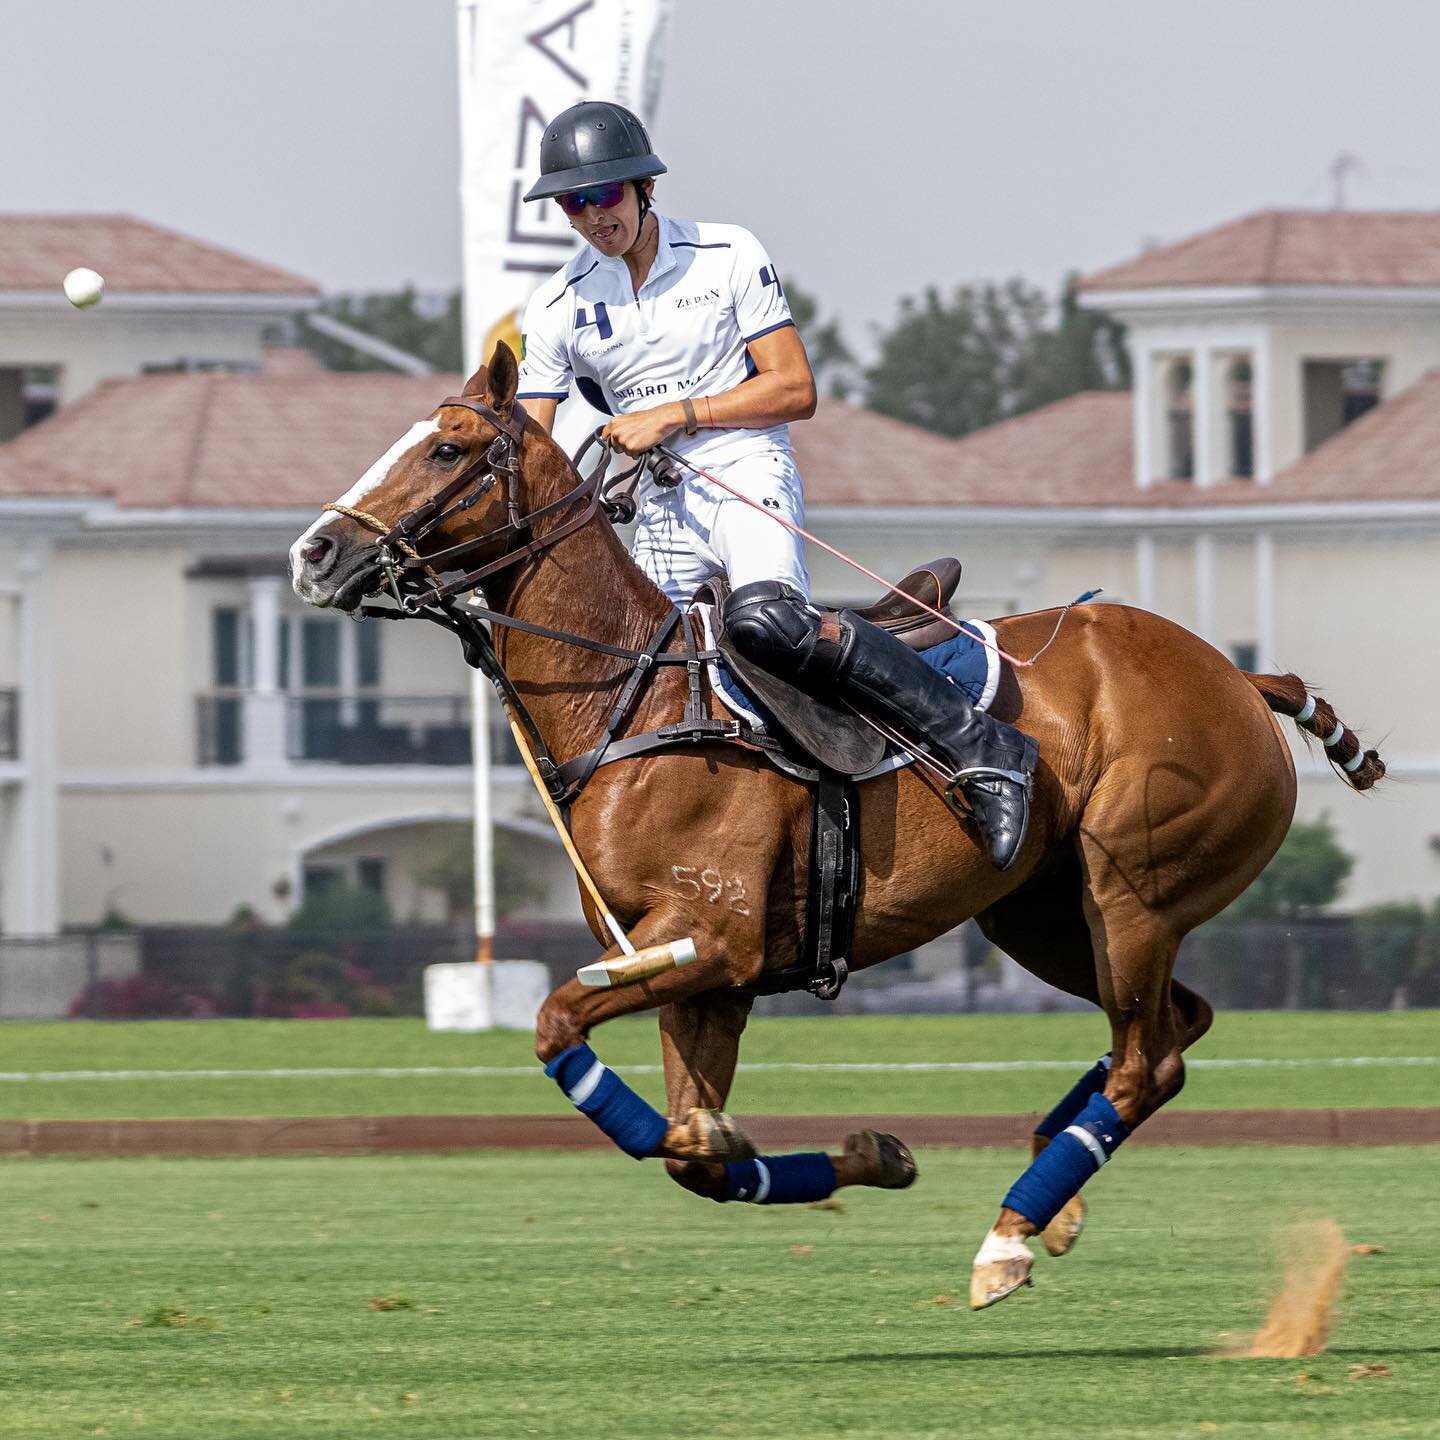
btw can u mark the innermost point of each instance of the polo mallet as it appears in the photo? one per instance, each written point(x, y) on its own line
point(633, 965)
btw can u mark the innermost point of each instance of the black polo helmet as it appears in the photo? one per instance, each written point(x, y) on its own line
point(589, 144)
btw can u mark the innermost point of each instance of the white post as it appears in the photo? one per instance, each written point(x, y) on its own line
point(264, 705)
point(484, 818)
point(1265, 599)
point(1145, 571)
point(1144, 368)
point(1262, 402)
point(1202, 415)
point(36, 906)
point(1205, 586)
point(349, 672)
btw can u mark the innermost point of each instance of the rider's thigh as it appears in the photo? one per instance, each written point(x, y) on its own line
point(670, 553)
point(751, 543)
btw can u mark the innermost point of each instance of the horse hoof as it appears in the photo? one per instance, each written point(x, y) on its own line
point(888, 1163)
point(1002, 1266)
point(711, 1135)
point(1064, 1230)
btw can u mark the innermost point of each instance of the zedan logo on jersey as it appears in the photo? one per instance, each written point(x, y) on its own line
point(600, 320)
point(689, 302)
point(769, 275)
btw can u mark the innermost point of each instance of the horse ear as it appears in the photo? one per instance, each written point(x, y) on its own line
point(477, 383)
point(502, 378)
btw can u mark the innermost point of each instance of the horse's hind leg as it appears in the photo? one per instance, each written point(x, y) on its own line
point(701, 1039)
point(1042, 926)
point(1152, 1020)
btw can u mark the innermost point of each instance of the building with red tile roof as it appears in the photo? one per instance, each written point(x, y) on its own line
point(136, 258)
point(1270, 484)
point(1333, 248)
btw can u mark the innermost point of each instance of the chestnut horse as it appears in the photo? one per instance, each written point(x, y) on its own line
point(1164, 787)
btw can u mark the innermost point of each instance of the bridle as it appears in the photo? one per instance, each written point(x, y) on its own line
point(397, 556)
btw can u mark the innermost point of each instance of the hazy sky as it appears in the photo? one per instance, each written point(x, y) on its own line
point(875, 149)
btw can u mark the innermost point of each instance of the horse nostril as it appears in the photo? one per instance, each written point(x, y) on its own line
point(315, 551)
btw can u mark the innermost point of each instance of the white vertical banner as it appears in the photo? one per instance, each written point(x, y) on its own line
point(521, 63)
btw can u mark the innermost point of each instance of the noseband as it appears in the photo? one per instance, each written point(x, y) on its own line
point(397, 556)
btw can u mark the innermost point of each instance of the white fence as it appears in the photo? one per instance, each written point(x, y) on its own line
point(41, 978)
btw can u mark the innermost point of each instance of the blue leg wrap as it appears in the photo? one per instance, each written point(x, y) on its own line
point(1065, 1112)
point(1067, 1162)
point(780, 1179)
point(599, 1093)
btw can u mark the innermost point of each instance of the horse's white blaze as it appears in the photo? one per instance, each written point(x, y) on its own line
point(374, 477)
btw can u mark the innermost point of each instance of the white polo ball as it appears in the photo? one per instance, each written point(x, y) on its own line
point(84, 288)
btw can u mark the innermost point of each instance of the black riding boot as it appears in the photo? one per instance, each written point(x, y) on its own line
point(774, 627)
point(992, 761)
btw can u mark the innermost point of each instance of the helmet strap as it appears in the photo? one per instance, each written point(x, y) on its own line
point(644, 200)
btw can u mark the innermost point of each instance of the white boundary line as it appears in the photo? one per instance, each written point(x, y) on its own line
point(506, 1072)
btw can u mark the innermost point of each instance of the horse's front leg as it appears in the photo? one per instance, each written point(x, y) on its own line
point(573, 1010)
point(701, 1039)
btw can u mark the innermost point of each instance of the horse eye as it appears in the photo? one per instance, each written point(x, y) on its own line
point(446, 452)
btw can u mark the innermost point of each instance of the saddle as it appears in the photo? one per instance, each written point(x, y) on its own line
point(834, 736)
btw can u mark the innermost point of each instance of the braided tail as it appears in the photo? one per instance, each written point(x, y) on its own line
point(1287, 695)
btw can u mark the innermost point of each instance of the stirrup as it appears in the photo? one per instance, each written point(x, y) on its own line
point(982, 772)
point(956, 797)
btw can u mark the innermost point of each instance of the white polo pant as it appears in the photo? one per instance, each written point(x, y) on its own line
point(695, 531)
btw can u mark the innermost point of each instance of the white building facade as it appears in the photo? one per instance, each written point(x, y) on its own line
point(180, 737)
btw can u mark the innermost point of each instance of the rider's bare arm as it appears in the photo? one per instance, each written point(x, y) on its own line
point(781, 391)
point(542, 411)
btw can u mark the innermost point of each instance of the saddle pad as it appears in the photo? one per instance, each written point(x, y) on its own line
point(965, 660)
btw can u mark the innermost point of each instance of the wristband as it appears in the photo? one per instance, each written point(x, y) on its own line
point(691, 423)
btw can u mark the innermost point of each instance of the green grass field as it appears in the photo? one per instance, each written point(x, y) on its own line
point(1311, 1044)
point(513, 1295)
point(549, 1294)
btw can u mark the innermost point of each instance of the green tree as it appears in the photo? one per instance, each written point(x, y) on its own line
point(398, 317)
point(1305, 875)
point(348, 908)
point(1084, 350)
point(1398, 943)
point(989, 352)
point(832, 360)
point(453, 874)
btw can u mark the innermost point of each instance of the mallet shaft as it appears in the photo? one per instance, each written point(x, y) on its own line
point(522, 743)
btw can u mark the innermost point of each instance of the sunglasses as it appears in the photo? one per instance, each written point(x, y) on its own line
point(602, 197)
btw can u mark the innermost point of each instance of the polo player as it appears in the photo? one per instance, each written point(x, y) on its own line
point(681, 332)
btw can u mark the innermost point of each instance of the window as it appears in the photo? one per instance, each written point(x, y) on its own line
point(319, 879)
point(1180, 421)
point(320, 653)
point(222, 739)
point(226, 660)
point(1360, 384)
point(1337, 392)
point(1245, 655)
point(1241, 414)
point(368, 654)
point(320, 670)
point(370, 875)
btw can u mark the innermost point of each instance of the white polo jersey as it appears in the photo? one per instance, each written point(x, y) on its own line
point(711, 289)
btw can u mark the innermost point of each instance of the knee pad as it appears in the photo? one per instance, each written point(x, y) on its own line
point(772, 627)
